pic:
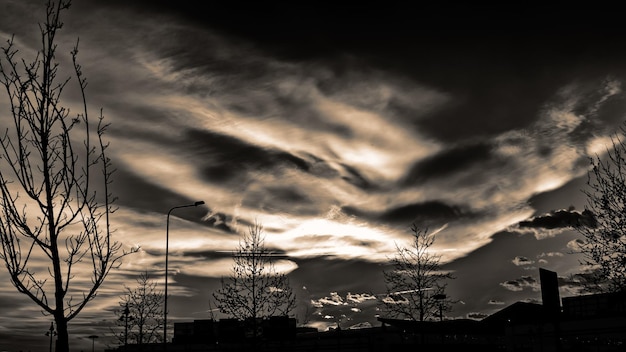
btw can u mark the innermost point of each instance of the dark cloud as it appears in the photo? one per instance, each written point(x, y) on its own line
point(569, 193)
point(562, 219)
point(493, 102)
point(420, 212)
point(288, 195)
point(153, 198)
point(280, 199)
point(9, 302)
point(426, 212)
point(356, 178)
point(449, 161)
point(139, 114)
point(229, 160)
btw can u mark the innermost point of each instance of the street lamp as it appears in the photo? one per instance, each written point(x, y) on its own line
point(51, 333)
point(93, 340)
point(125, 317)
point(167, 241)
point(440, 297)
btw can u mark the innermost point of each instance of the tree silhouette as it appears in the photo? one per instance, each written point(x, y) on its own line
point(141, 313)
point(415, 284)
point(604, 244)
point(254, 289)
point(54, 206)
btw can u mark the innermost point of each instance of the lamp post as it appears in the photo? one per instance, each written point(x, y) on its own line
point(93, 340)
point(440, 297)
point(167, 241)
point(125, 318)
point(51, 333)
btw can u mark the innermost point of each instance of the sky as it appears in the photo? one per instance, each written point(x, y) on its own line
point(336, 127)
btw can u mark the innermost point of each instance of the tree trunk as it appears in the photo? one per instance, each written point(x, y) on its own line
point(63, 343)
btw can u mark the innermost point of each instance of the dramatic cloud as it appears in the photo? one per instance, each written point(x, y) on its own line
point(562, 219)
point(335, 138)
point(556, 222)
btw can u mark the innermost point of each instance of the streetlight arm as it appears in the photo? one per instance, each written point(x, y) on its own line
point(195, 204)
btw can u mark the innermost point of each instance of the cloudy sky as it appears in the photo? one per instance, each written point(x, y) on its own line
point(336, 127)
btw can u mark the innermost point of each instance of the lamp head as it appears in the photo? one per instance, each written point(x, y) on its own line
point(198, 203)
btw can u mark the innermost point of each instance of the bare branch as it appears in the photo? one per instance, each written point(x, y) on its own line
point(254, 289)
point(604, 247)
point(53, 206)
point(415, 281)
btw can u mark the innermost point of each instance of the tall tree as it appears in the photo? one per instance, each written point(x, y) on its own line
point(54, 206)
point(415, 283)
point(604, 231)
point(141, 313)
point(254, 289)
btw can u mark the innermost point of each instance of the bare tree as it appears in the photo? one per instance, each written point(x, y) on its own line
point(141, 313)
point(604, 231)
point(415, 284)
point(54, 207)
point(255, 289)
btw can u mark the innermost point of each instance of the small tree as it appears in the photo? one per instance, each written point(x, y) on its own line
point(254, 289)
point(416, 284)
point(54, 207)
point(604, 244)
point(141, 313)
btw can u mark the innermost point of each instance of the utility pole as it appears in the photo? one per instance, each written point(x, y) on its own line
point(51, 332)
point(126, 313)
point(93, 340)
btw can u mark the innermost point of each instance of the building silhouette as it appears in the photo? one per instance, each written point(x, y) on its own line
point(582, 323)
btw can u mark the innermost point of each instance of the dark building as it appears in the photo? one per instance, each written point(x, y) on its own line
point(229, 331)
point(583, 323)
point(550, 291)
point(595, 322)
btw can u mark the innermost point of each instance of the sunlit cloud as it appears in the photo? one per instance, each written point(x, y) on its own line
point(576, 245)
point(521, 261)
point(359, 298)
point(334, 299)
point(476, 315)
